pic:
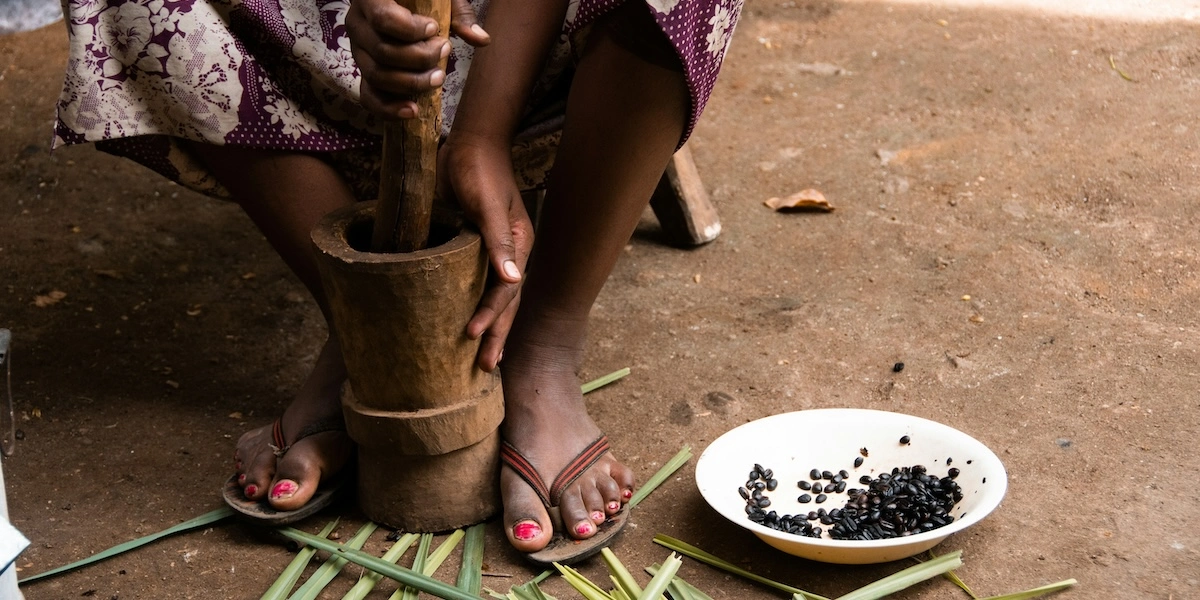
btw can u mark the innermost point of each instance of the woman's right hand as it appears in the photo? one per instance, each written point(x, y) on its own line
point(398, 52)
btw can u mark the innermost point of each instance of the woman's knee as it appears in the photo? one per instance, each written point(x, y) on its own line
point(632, 27)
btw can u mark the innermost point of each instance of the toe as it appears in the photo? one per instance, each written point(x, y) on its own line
point(527, 524)
point(594, 502)
point(623, 476)
point(575, 515)
point(299, 472)
point(257, 477)
point(610, 494)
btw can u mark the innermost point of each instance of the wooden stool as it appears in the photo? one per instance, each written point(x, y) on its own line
point(681, 205)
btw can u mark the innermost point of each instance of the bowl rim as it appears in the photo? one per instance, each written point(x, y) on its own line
point(991, 499)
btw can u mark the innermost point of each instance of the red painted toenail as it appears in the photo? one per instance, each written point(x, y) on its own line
point(283, 488)
point(242, 478)
point(627, 494)
point(614, 506)
point(598, 517)
point(526, 530)
point(583, 529)
point(251, 490)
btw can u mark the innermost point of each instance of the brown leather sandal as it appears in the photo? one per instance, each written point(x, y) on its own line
point(261, 511)
point(562, 549)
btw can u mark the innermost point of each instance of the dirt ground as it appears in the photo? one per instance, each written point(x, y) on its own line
point(1000, 155)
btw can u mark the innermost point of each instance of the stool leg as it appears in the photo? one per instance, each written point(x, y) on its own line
point(683, 208)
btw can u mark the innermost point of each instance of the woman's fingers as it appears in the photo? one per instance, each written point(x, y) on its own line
point(506, 232)
point(491, 348)
point(390, 20)
point(465, 24)
point(397, 55)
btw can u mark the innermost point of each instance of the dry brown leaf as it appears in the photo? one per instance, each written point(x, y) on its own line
point(52, 298)
point(804, 200)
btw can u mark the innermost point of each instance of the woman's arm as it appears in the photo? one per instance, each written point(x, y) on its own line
point(503, 73)
point(476, 160)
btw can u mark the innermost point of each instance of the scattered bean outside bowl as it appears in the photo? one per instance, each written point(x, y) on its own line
point(793, 444)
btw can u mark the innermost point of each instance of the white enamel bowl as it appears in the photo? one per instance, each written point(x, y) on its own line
point(792, 444)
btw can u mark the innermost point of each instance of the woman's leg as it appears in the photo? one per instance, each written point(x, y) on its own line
point(625, 115)
point(285, 194)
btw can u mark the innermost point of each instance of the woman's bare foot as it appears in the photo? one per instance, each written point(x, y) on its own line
point(289, 481)
point(547, 421)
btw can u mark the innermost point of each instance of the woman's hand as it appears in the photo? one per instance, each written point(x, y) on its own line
point(398, 52)
point(478, 173)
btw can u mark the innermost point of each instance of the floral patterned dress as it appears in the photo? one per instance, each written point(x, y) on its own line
point(278, 74)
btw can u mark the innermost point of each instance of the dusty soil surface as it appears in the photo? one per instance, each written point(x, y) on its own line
point(1022, 170)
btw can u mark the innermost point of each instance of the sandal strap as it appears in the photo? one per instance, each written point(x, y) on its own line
point(281, 446)
point(578, 465)
point(525, 470)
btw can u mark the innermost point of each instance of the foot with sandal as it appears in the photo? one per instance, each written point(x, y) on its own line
point(298, 465)
point(638, 76)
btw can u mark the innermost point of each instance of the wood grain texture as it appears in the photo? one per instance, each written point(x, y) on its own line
point(408, 178)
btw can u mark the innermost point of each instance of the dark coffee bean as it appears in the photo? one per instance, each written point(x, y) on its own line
point(767, 474)
point(804, 485)
point(858, 461)
point(821, 498)
point(865, 479)
point(841, 487)
point(745, 494)
point(830, 487)
point(814, 475)
point(759, 468)
point(952, 473)
point(764, 502)
point(804, 499)
point(759, 485)
point(896, 368)
point(844, 474)
point(772, 484)
point(753, 475)
point(905, 440)
point(837, 478)
point(826, 475)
